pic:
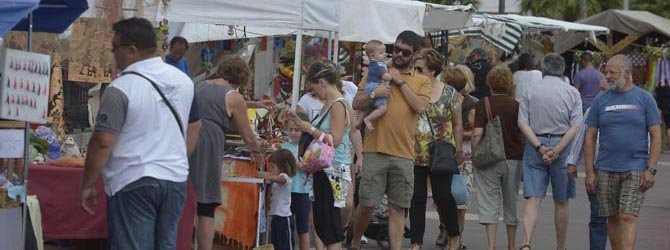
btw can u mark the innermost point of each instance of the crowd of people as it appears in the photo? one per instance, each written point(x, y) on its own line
point(385, 133)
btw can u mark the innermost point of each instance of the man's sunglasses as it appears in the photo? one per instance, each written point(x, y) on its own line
point(114, 48)
point(401, 51)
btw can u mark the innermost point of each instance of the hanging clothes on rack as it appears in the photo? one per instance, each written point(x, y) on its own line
point(663, 74)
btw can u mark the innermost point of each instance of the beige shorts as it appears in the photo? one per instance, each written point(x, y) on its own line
point(385, 174)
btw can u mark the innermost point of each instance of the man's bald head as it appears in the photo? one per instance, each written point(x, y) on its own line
point(622, 61)
point(619, 72)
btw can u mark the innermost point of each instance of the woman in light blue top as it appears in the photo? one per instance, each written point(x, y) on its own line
point(329, 187)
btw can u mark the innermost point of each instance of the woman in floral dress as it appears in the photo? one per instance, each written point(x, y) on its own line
point(444, 114)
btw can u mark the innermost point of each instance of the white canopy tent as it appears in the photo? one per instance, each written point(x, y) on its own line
point(364, 20)
point(280, 16)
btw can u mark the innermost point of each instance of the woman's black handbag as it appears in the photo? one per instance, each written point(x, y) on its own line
point(442, 155)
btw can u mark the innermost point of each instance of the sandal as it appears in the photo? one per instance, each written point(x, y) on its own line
point(525, 247)
point(415, 246)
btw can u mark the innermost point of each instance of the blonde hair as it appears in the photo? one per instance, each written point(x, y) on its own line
point(372, 46)
point(455, 78)
point(469, 76)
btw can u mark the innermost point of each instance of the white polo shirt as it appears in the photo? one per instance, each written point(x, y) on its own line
point(149, 142)
point(312, 105)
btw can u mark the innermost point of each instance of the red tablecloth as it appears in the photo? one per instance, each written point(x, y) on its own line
point(58, 190)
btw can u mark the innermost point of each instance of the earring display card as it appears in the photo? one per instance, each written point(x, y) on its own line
point(24, 85)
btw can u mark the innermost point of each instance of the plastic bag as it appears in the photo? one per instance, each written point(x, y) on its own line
point(318, 155)
point(459, 190)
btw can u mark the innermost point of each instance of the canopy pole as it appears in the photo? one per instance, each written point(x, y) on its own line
point(330, 45)
point(297, 68)
point(30, 31)
point(337, 49)
point(26, 157)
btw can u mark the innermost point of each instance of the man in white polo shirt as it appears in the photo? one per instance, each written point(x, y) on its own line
point(140, 143)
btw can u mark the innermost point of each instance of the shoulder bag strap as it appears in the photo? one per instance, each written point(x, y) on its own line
point(451, 100)
point(172, 109)
point(323, 117)
point(488, 108)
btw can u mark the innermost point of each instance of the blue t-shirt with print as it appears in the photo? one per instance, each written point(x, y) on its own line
point(623, 119)
point(300, 184)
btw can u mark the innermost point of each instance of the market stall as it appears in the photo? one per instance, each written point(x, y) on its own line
point(633, 24)
point(25, 78)
point(640, 35)
point(241, 225)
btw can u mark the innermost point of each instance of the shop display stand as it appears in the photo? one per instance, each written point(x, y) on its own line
point(11, 124)
point(6, 124)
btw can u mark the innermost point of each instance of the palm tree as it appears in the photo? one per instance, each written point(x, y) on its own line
point(658, 7)
point(569, 10)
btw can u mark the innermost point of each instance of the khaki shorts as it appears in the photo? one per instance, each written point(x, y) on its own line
point(619, 192)
point(385, 174)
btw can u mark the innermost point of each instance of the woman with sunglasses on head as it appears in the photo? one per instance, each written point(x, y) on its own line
point(330, 185)
point(441, 121)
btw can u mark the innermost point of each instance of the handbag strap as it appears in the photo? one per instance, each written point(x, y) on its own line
point(172, 109)
point(430, 123)
point(323, 117)
point(488, 108)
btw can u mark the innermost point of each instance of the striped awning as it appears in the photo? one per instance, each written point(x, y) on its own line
point(504, 31)
point(501, 32)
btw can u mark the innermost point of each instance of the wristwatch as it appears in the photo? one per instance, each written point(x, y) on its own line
point(372, 94)
point(538, 147)
point(652, 170)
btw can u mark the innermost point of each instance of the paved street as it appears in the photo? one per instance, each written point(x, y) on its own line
point(653, 223)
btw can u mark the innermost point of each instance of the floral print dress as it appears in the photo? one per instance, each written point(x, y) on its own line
point(441, 118)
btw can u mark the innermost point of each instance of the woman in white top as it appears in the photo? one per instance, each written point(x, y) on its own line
point(527, 74)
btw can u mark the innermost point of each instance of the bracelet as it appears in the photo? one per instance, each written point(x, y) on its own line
point(312, 130)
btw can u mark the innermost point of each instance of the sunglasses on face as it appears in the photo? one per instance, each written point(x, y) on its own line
point(418, 69)
point(401, 51)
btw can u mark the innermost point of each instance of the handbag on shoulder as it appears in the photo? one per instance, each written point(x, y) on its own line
point(442, 154)
point(491, 148)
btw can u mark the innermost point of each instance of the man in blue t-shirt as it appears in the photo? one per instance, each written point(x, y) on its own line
point(627, 118)
point(178, 48)
point(587, 81)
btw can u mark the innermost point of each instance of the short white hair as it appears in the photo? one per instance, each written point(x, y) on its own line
point(553, 64)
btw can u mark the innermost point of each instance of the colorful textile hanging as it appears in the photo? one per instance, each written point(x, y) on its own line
point(236, 217)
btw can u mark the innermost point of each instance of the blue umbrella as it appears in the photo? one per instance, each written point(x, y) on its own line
point(53, 16)
point(12, 11)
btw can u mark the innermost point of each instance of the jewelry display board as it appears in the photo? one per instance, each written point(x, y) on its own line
point(24, 88)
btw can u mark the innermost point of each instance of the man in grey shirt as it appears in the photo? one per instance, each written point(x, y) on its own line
point(550, 112)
